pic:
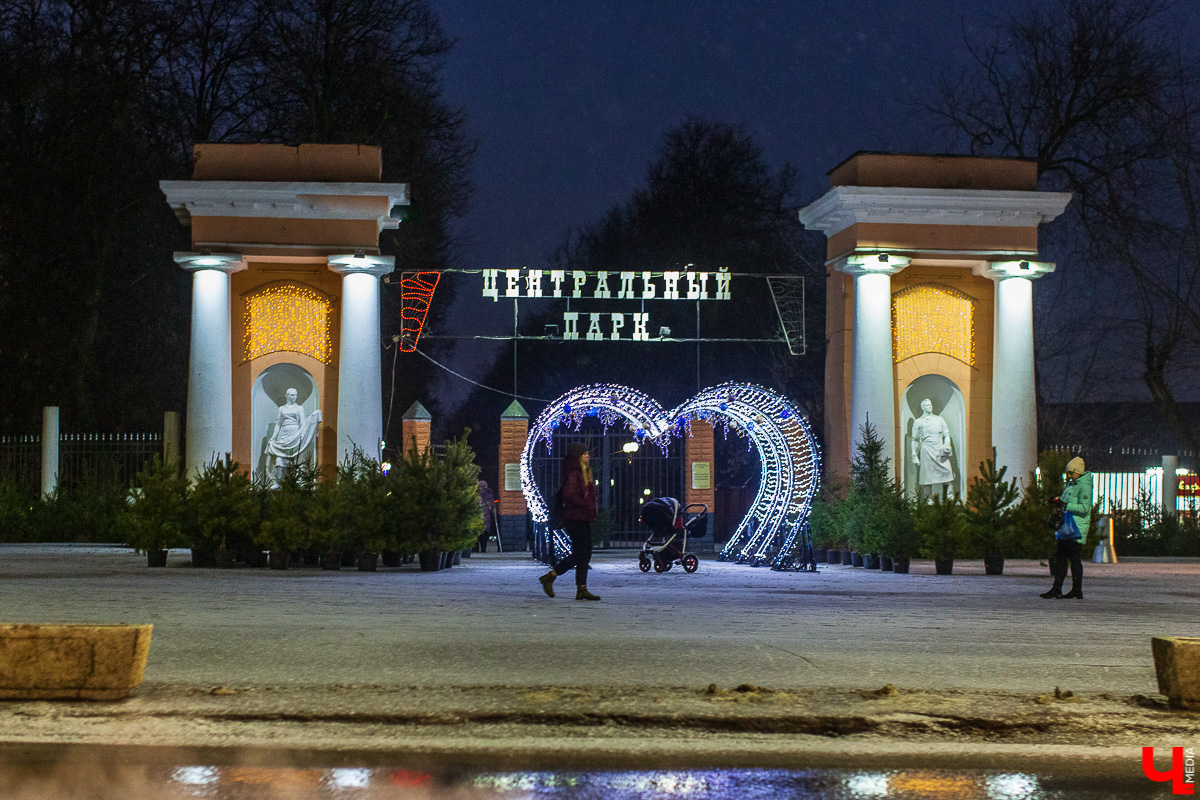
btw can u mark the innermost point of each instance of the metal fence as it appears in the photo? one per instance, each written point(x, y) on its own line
point(1123, 490)
point(625, 480)
point(107, 458)
point(21, 462)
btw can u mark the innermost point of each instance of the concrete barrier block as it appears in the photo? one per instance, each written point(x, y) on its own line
point(1177, 664)
point(71, 662)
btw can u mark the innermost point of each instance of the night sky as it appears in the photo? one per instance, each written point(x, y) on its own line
point(571, 99)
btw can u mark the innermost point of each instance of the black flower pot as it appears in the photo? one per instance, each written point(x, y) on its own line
point(833, 556)
point(279, 559)
point(870, 561)
point(447, 560)
point(156, 558)
point(847, 557)
point(993, 565)
point(856, 559)
point(819, 556)
point(259, 558)
point(900, 564)
point(368, 562)
point(331, 560)
point(223, 559)
point(349, 558)
point(885, 563)
point(391, 558)
point(943, 566)
point(203, 558)
point(456, 557)
point(430, 560)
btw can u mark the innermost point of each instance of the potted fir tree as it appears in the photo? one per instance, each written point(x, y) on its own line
point(329, 522)
point(870, 482)
point(224, 513)
point(888, 529)
point(363, 493)
point(285, 528)
point(437, 502)
point(991, 514)
point(940, 526)
point(157, 511)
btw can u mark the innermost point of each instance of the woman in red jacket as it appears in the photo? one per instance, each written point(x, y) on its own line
point(578, 511)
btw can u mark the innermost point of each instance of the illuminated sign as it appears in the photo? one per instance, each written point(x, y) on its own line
point(1188, 486)
point(576, 284)
point(582, 285)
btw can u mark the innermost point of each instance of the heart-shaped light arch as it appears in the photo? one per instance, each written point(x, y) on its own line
point(786, 447)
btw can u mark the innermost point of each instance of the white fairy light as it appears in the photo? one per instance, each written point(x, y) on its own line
point(789, 456)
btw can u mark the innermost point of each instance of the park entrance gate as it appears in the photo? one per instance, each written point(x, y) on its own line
point(626, 479)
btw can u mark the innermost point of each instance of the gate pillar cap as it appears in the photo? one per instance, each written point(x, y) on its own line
point(417, 411)
point(515, 411)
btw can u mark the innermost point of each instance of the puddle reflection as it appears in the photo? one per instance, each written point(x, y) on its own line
point(117, 780)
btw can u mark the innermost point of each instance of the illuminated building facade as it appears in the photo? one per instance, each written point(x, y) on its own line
point(286, 272)
point(930, 268)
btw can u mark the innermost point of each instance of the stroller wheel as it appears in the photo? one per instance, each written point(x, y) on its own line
point(643, 562)
point(690, 562)
point(660, 566)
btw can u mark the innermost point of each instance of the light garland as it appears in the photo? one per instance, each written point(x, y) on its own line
point(288, 316)
point(790, 460)
point(933, 318)
point(416, 295)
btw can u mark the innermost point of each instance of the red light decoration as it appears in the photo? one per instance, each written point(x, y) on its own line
point(416, 295)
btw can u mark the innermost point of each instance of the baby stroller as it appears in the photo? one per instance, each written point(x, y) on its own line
point(670, 526)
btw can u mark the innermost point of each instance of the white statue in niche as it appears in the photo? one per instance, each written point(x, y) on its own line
point(931, 452)
point(294, 439)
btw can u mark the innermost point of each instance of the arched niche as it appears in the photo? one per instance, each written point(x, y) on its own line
point(268, 394)
point(948, 403)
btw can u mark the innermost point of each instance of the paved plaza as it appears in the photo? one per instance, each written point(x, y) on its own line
point(731, 665)
point(487, 622)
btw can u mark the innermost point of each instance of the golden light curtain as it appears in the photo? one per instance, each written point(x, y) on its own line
point(933, 318)
point(288, 316)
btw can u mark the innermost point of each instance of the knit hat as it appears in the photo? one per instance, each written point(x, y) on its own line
point(576, 450)
point(1076, 465)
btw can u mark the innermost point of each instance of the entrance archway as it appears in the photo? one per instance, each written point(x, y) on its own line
point(790, 459)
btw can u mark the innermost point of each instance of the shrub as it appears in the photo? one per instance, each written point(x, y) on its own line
point(225, 512)
point(991, 511)
point(436, 501)
point(15, 508)
point(285, 525)
point(888, 525)
point(941, 525)
point(826, 518)
point(363, 524)
point(156, 514)
point(1032, 537)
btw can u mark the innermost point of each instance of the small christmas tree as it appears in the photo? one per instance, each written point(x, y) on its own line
point(991, 511)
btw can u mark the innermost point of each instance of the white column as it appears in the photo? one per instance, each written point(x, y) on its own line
point(1170, 485)
point(50, 450)
point(209, 428)
point(360, 386)
point(872, 382)
point(1014, 399)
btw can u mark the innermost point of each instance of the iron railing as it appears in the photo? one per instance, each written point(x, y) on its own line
point(105, 458)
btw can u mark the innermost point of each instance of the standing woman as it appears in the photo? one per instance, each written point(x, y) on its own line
point(578, 511)
point(1076, 502)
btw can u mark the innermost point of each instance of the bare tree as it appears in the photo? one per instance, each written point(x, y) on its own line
point(1098, 93)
